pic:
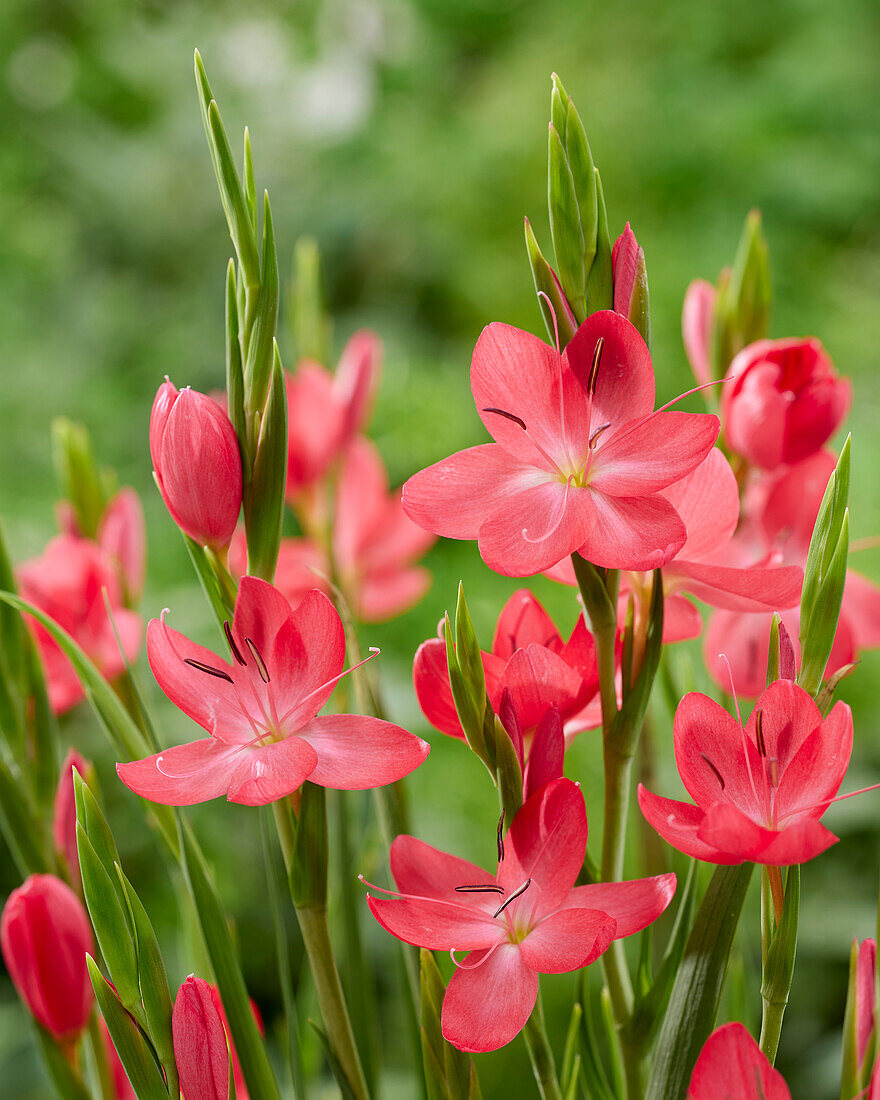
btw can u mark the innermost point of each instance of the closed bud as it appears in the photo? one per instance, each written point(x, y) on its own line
point(197, 464)
point(697, 325)
point(45, 936)
point(64, 812)
point(200, 1042)
point(631, 282)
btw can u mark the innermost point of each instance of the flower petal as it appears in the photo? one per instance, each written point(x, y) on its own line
point(678, 823)
point(796, 844)
point(538, 679)
point(567, 940)
point(420, 869)
point(488, 1005)
point(625, 381)
point(697, 319)
point(357, 752)
point(649, 454)
point(431, 681)
point(316, 626)
point(731, 1065)
point(270, 772)
point(755, 589)
point(184, 774)
point(814, 773)
point(260, 612)
point(633, 905)
point(382, 597)
point(633, 532)
point(547, 754)
point(523, 621)
point(788, 717)
point(707, 500)
point(732, 834)
point(681, 620)
point(436, 925)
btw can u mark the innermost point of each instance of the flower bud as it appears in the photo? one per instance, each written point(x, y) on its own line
point(45, 936)
point(631, 282)
point(200, 1042)
point(64, 812)
point(697, 325)
point(781, 401)
point(122, 536)
point(197, 464)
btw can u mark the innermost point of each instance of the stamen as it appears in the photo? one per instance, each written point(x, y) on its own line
point(500, 838)
point(826, 802)
point(374, 652)
point(261, 664)
point(745, 739)
point(516, 894)
point(542, 294)
point(594, 366)
point(508, 416)
point(773, 769)
point(718, 774)
point(595, 436)
point(209, 669)
point(478, 889)
point(236, 653)
point(759, 732)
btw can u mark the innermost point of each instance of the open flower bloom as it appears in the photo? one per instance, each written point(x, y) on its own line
point(67, 583)
point(697, 323)
point(374, 545)
point(760, 790)
point(731, 1065)
point(530, 660)
point(781, 401)
point(579, 456)
point(325, 411)
point(708, 502)
point(526, 918)
point(781, 509)
point(260, 710)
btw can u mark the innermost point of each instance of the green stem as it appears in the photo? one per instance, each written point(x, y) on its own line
point(541, 1054)
point(99, 1057)
point(779, 929)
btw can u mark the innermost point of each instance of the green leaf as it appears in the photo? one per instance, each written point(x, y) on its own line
point(131, 1046)
point(336, 1069)
point(583, 172)
point(264, 497)
point(309, 323)
point(67, 1080)
point(250, 187)
point(826, 530)
point(592, 1066)
point(629, 719)
point(12, 632)
point(558, 105)
point(547, 283)
point(308, 870)
point(850, 1077)
point(449, 1073)
point(696, 992)
point(94, 824)
point(508, 773)
point(261, 349)
point(21, 826)
point(235, 371)
point(600, 283)
point(565, 224)
point(78, 473)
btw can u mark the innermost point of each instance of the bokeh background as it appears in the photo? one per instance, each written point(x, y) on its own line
point(409, 138)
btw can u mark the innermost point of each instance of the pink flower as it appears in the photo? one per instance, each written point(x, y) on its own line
point(374, 544)
point(529, 659)
point(546, 756)
point(708, 502)
point(579, 456)
point(759, 791)
point(199, 1042)
point(260, 710)
point(781, 401)
point(197, 464)
point(122, 536)
point(324, 411)
point(628, 263)
point(66, 582)
point(732, 1065)
point(64, 812)
point(781, 512)
point(697, 323)
point(865, 996)
point(526, 919)
point(45, 936)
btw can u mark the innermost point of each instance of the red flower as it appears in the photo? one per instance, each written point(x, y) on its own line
point(781, 401)
point(579, 460)
point(66, 582)
point(731, 1065)
point(759, 791)
point(45, 935)
point(529, 659)
point(200, 1049)
point(260, 710)
point(546, 756)
point(697, 322)
point(122, 536)
point(527, 918)
point(865, 996)
point(628, 265)
point(197, 464)
point(324, 411)
point(64, 812)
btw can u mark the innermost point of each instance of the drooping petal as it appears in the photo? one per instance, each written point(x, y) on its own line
point(455, 496)
point(796, 844)
point(633, 905)
point(523, 621)
point(732, 1066)
point(732, 834)
point(266, 773)
point(633, 532)
point(547, 754)
point(425, 871)
point(567, 940)
point(431, 681)
point(625, 380)
point(357, 752)
point(437, 925)
point(649, 454)
point(707, 500)
point(697, 319)
point(488, 1005)
point(183, 775)
point(756, 589)
point(382, 597)
point(678, 823)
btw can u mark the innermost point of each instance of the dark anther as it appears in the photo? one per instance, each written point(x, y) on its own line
point(595, 436)
point(501, 838)
point(513, 897)
point(211, 671)
point(759, 732)
point(594, 366)
point(261, 664)
point(236, 653)
point(718, 774)
point(478, 889)
point(507, 416)
point(773, 767)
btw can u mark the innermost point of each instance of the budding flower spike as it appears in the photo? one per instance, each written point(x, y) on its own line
point(732, 1066)
point(526, 919)
point(579, 458)
point(260, 710)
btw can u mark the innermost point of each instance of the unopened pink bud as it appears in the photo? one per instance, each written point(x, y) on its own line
point(866, 983)
point(697, 321)
point(781, 401)
point(199, 1042)
point(64, 814)
point(45, 935)
point(197, 464)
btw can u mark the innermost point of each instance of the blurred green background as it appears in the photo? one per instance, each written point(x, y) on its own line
point(409, 137)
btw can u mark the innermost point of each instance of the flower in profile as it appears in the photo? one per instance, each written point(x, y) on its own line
point(325, 411)
point(732, 1065)
point(579, 457)
point(197, 464)
point(45, 936)
point(64, 812)
point(781, 401)
point(374, 544)
point(260, 710)
point(759, 790)
point(525, 919)
point(67, 582)
point(200, 1049)
point(530, 660)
